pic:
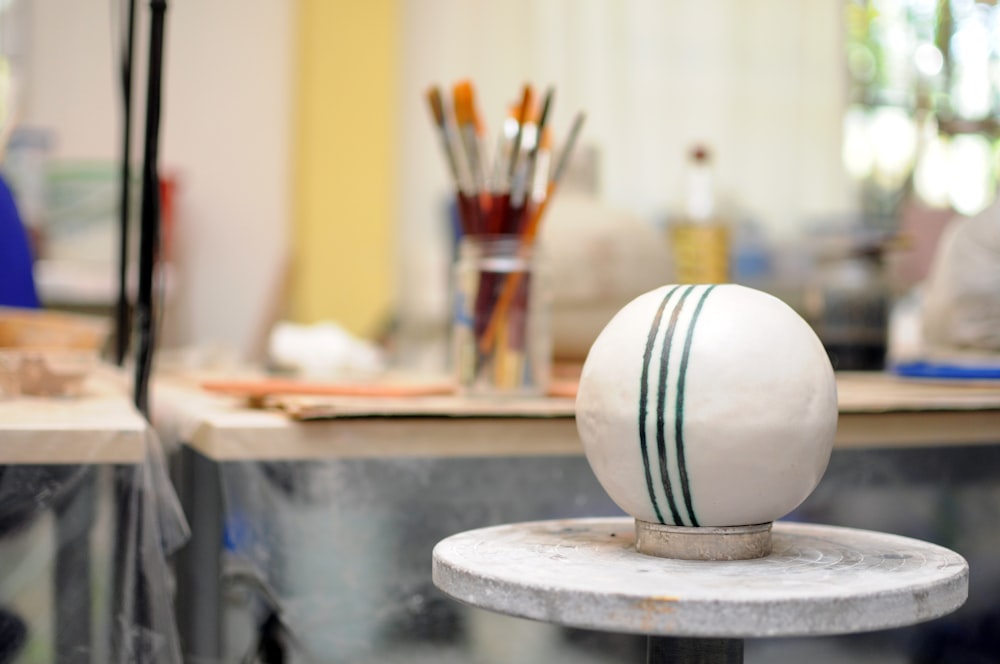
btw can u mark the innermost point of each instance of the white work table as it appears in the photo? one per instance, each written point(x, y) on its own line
point(338, 514)
point(100, 426)
point(83, 460)
point(876, 410)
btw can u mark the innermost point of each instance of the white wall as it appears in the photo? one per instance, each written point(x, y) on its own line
point(762, 81)
point(226, 116)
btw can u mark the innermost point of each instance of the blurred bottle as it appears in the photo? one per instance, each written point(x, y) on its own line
point(700, 238)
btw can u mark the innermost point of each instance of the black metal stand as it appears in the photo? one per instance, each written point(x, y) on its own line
point(150, 227)
point(123, 310)
point(132, 494)
point(672, 650)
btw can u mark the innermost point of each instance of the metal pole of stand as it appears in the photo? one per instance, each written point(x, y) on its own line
point(123, 306)
point(149, 236)
point(672, 650)
point(689, 543)
point(135, 600)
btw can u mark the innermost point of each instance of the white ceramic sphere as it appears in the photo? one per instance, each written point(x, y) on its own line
point(707, 406)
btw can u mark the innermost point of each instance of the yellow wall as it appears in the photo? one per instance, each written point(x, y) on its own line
point(344, 162)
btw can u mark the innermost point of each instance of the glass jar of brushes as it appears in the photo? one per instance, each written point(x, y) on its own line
point(501, 336)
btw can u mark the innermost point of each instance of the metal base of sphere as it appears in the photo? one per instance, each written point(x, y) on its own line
point(701, 543)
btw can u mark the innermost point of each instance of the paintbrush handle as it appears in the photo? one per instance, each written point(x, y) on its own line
point(469, 213)
point(528, 238)
point(513, 280)
point(470, 141)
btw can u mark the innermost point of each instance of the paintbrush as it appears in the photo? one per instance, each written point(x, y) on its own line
point(523, 115)
point(526, 195)
point(513, 365)
point(511, 335)
point(505, 147)
point(512, 283)
point(542, 163)
point(500, 181)
point(501, 218)
point(436, 103)
point(468, 131)
point(468, 207)
point(499, 222)
point(528, 236)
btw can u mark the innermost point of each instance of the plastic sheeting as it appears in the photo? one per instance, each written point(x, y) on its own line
point(84, 552)
point(962, 300)
point(329, 560)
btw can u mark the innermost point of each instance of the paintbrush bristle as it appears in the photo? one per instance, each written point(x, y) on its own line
point(437, 105)
point(464, 107)
point(527, 104)
point(523, 114)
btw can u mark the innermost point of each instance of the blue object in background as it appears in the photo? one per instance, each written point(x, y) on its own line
point(17, 281)
point(944, 371)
